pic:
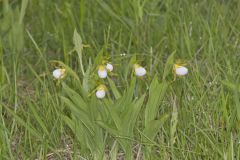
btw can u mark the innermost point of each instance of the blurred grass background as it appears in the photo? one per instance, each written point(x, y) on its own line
point(204, 33)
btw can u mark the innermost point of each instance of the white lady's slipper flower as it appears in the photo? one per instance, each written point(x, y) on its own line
point(180, 70)
point(101, 91)
point(59, 73)
point(102, 71)
point(109, 67)
point(139, 70)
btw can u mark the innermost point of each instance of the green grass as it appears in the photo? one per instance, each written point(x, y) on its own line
point(194, 117)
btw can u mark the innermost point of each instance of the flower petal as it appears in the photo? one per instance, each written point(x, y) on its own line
point(102, 73)
point(100, 94)
point(109, 67)
point(140, 71)
point(181, 71)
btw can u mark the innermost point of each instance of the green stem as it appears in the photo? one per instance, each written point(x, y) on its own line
point(81, 64)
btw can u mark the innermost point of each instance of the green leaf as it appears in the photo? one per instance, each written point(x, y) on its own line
point(86, 79)
point(127, 98)
point(76, 129)
point(23, 10)
point(152, 128)
point(108, 128)
point(77, 41)
point(129, 68)
point(114, 89)
point(156, 94)
point(169, 65)
point(83, 117)
point(114, 114)
point(75, 97)
point(131, 116)
point(99, 57)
